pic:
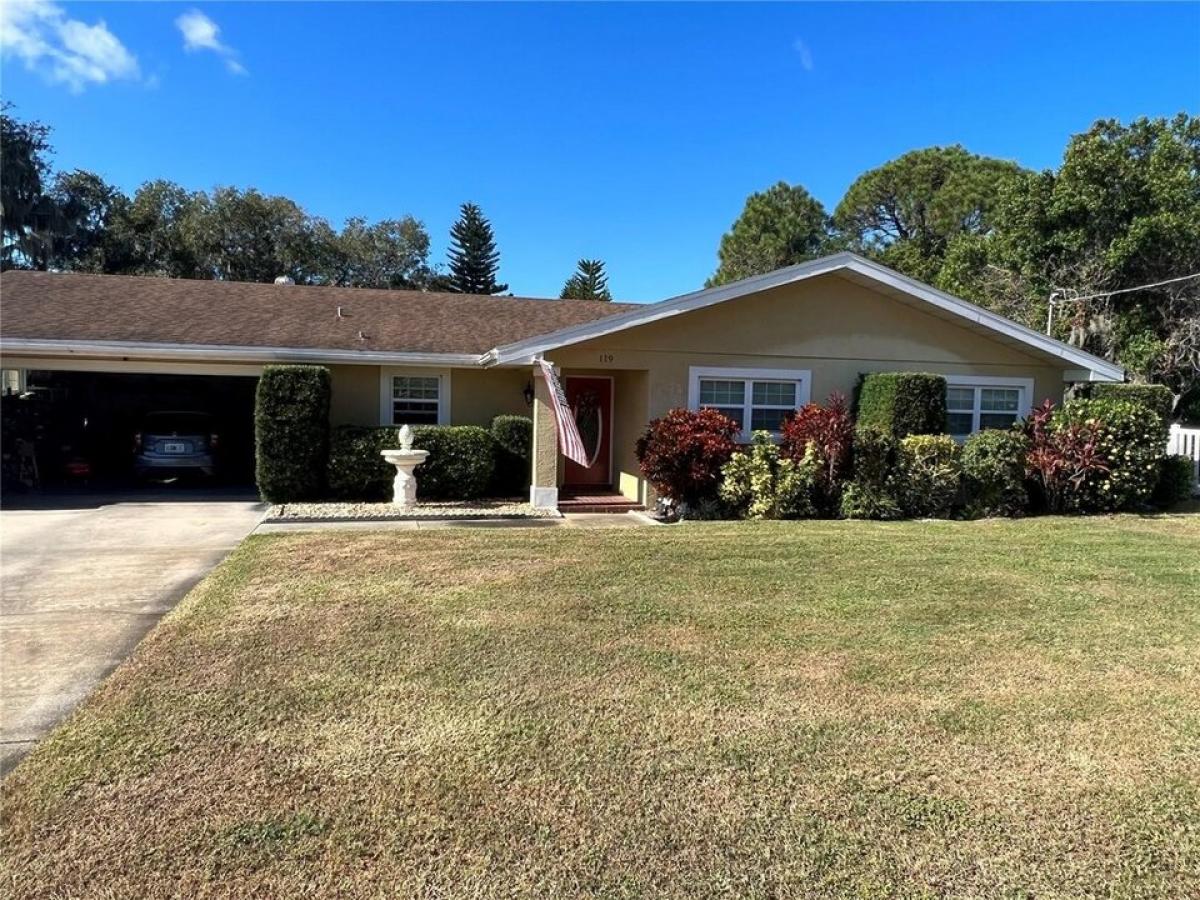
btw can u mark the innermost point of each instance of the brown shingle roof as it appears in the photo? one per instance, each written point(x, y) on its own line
point(54, 306)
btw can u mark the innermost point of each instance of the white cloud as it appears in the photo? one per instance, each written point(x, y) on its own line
point(804, 53)
point(65, 50)
point(202, 33)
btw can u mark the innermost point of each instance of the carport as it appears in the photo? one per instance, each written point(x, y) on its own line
point(73, 423)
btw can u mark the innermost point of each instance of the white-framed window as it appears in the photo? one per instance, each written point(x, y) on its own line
point(976, 402)
point(414, 397)
point(757, 399)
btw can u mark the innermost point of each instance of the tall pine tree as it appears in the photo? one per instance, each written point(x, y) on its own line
point(474, 259)
point(588, 283)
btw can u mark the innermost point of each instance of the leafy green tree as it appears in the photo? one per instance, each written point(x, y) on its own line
point(160, 229)
point(778, 227)
point(85, 210)
point(589, 282)
point(474, 259)
point(1122, 210)
point(907, 211)
point(392, 253)
point(27, 211)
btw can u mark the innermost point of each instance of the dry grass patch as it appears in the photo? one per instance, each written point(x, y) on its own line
point(777, 709)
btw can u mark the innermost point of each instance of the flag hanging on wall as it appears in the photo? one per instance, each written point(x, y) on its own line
point(569, 440)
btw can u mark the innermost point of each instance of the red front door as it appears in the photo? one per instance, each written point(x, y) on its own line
point(591, 399)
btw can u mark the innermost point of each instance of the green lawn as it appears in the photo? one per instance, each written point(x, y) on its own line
point(1000, 708)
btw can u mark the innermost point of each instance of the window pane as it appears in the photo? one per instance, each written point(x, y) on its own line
point(768, 419)
point(713, 392)
point(733, 412)
point(960, 398)
point(406, 387)
point(775, 393)
point(959, 424)
point(409, 412)
point(1000, 399)
point(997, 420)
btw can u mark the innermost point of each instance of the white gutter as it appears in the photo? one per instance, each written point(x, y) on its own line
point(223, 352)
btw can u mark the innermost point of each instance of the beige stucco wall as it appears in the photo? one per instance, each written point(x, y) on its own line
point(354, 395)
point(476, 395)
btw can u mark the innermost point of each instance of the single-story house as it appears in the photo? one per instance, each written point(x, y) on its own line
point(756, 349)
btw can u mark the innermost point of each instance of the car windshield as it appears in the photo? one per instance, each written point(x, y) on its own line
point(178, 423)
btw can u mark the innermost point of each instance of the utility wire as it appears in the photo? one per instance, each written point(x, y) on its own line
point(1140, 287)
point(1056, 299)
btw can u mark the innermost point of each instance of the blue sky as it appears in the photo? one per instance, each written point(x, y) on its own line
point(627, 132)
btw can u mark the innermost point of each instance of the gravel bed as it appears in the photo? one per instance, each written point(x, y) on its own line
point(478, 509)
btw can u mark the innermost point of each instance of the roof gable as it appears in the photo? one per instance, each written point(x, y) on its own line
point(847, 264)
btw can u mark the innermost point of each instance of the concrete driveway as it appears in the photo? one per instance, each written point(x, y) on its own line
point(82, 579)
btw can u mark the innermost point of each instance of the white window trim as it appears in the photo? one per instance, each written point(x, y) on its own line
point(696, 373)
point(387, 373)
point(1025, 385)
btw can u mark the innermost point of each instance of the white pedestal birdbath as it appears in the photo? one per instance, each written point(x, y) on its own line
point(404, 486)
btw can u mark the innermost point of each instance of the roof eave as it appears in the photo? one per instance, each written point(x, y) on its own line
point(228, 353)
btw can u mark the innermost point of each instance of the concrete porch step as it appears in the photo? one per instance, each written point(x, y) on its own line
point(596, 502)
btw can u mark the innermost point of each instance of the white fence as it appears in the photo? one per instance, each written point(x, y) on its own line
point(1186, 442)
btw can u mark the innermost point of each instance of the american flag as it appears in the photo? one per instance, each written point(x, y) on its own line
point(569, 440)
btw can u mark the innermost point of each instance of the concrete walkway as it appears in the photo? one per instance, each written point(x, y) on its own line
point(83, 579)
point(568, 520)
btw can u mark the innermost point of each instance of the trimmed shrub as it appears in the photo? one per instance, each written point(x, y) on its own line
point(1130, 439)
point(682, 453)
point(1062, 458)
point(1156, 396)
point(903, 403)
point(514, 453)
point(760, 483)
point(872, 493)
point(1174, 481)
point(828, 432)
point(291, 432)
point(460, 466)
point(993, 471)
point(928, 475)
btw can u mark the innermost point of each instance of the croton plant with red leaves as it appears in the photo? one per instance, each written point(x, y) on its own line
point(682, 453)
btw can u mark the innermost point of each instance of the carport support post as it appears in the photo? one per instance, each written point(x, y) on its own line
point(543, 483)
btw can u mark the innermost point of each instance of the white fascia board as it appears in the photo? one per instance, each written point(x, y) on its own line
point(223, 353)
point(1102, 369)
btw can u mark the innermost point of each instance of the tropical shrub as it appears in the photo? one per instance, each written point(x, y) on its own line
point(460, 466)
point(903, 403)
point(291, 432)
point(682, 453)
point(993, 472)
point(1156, 396)
point(761, 483)
point(1063, 459)
point(1131, 439)
point(928, 475)
point(1174, 481)
point(872, 492)
point(514, 453)
point(828, 433)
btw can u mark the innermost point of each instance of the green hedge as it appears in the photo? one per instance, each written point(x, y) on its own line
point(291, 432)
point(461, 463)
point(993, 468)
point(928, 475)
point(1156, 396)
point(514, 454)
point(1174, 481)
point(1130, 440)
point(903, 403)
point(872, 492)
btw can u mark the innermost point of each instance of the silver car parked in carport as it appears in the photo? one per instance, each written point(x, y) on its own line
point(175, 443)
